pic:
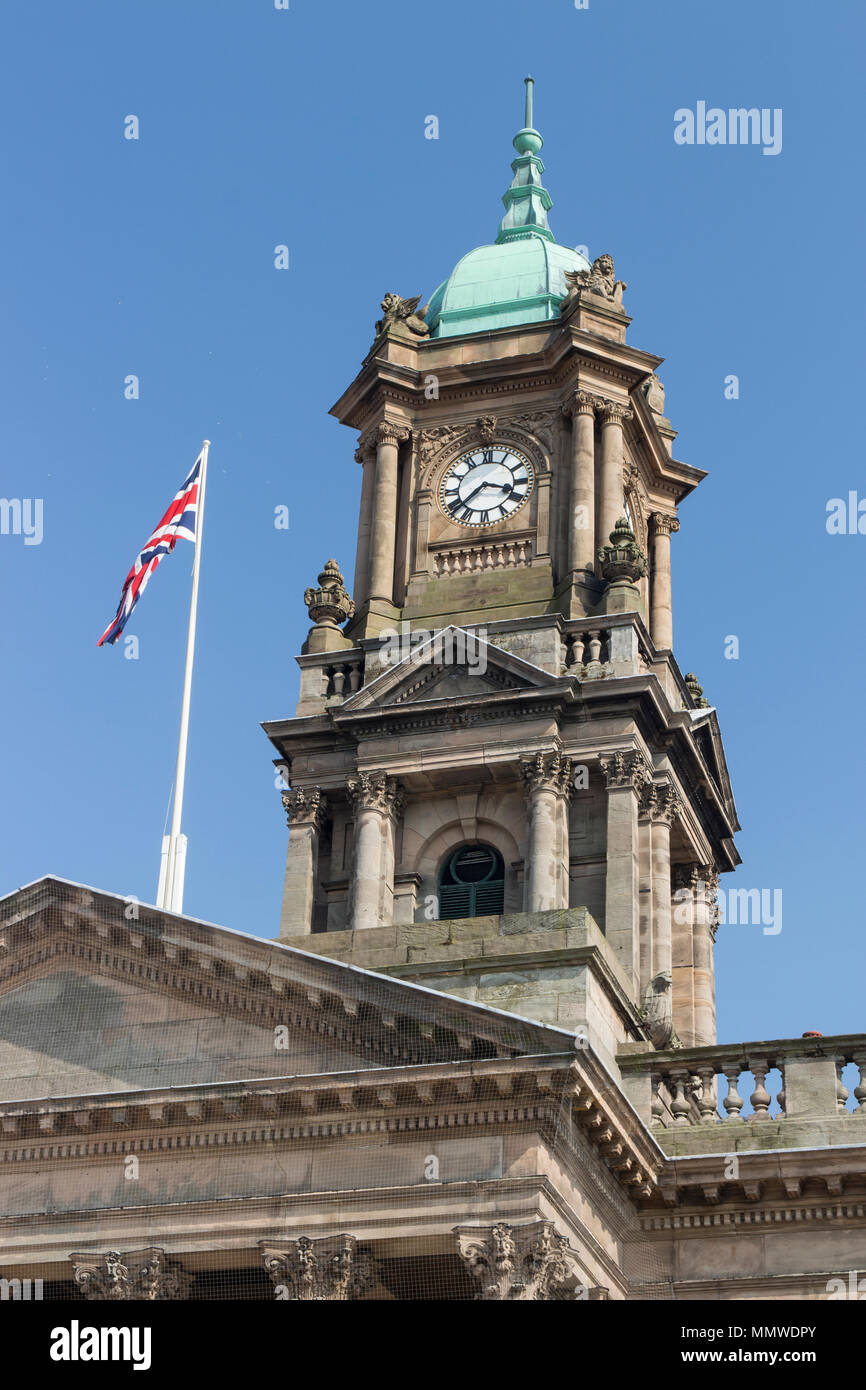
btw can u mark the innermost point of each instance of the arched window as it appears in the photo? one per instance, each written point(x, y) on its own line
point(472, 883)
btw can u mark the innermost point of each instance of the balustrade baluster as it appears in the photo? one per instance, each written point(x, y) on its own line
point(760, 1097)
point(841, 1088)
point(680, 1107)
point(657, 1108)
point(733, 1101)
point(707, 1096)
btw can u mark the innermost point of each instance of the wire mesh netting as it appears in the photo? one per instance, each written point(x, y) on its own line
point(190, 1112)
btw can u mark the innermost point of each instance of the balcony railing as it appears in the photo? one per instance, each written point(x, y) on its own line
point(808, 1078)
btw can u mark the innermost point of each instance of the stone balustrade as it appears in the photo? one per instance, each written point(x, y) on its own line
point(342, 678)
point(587, 652)
point(508, 553)
point(787, 1081)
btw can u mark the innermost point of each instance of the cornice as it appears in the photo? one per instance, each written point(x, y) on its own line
point(765, 1214)
point(456, 1096)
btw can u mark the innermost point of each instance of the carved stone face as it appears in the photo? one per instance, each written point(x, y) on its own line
point(605, 264)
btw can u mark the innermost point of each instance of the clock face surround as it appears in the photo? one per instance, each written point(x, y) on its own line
point(486, 485)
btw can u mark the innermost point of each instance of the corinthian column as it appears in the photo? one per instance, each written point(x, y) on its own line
point(519, 1263)
point(626, 774)
point(661, 608)
point(377, 801)
point(142, 1276)
point(547, 782)
point(317, 1271)
point(611, 500)
point(384, 522)
point(581, 531)
point(306, 812)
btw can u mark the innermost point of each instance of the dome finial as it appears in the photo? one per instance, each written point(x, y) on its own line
point(528, 140)
point(526, 201)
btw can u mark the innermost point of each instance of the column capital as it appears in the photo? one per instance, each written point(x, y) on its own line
point(305, 806)
point(366, 447)
point(389, 432)
point(138, 1277)
point(626, 768)
point(376, 791)
point(328, 1270)
point(581, 403)
point(547, 772)
point(661, 524)
point(700, 883)
point(666, 803)
point(518, 1263)
point(614, 412)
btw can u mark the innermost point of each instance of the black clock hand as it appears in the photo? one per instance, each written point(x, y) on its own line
point(481, 487)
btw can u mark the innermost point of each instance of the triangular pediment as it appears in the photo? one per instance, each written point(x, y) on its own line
point(99, 994)
point(451, 664)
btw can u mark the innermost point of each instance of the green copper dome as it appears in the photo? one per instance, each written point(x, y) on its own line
point(521, 277)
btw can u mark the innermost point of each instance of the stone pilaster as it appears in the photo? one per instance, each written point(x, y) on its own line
point(666, 808)
point(661, 606)
point(307, 815)
point(547, 783)
point(695, 920)
point(383, 531)
point(377, 801)
point(611, 501)
point(317, 1271)
point(365, 455)
point(519, 1263)
point(142, 1276)
point(581, 529)
point(626, 773)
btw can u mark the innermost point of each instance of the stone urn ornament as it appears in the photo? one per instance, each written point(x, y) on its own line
point(329, 605)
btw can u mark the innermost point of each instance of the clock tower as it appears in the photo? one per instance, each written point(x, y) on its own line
point(501, 785)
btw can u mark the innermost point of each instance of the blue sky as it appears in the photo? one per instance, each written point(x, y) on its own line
point(306, 127)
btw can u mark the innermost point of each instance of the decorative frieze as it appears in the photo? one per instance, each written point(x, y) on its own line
point(519, 1263)
point(329, 1270)
point(141, 1276)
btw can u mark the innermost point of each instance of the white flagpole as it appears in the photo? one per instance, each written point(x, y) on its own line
point(173, 860)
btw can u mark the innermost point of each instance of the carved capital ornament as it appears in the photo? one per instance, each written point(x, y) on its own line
point(518, 1263)
point(305, 806)
point(547, 772)
point(142, 1276)
point(317, 1271)
point(376, 791)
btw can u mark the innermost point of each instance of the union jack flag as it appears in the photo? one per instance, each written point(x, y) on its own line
point(179, 523)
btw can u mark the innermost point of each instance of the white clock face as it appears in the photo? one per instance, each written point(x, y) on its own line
point(486, 485)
